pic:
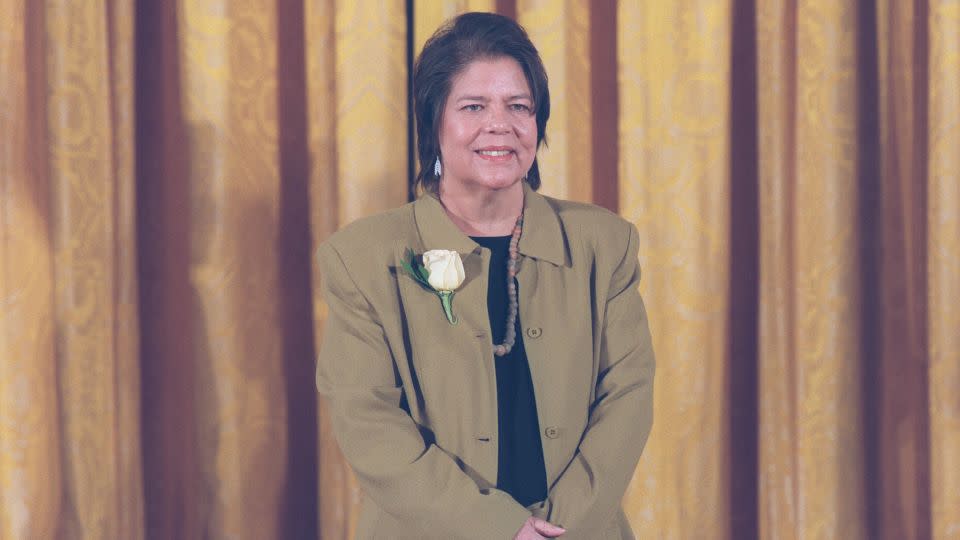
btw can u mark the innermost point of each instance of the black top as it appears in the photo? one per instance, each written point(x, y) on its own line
point(521, 471)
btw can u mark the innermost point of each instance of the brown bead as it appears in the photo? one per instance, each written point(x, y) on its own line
point(510, 335)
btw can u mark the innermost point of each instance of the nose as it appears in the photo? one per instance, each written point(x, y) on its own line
point(497, 120)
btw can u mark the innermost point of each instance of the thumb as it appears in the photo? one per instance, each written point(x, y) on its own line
point(546, 528)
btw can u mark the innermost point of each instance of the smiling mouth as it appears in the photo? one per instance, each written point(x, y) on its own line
point(496, 154)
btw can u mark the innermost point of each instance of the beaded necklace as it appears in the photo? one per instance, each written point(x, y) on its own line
point(510, 335)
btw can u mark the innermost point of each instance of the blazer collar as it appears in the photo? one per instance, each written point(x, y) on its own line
point(542, 236)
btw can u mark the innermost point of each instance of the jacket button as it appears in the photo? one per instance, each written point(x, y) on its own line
point(534, 332)
point(552, 432)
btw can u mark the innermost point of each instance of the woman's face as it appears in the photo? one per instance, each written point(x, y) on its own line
point(488, 135)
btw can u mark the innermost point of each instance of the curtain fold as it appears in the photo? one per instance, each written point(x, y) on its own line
point(903, 441)
point(167, 170)
point(562, 34)
point(811, 439)
point(228, 64)
point(337, 491)
point(941, 219)
point(71, 371)
point(674, 75)
point(30, 452)
point(90, 155)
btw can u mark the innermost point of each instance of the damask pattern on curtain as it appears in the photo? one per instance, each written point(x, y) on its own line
point(168, 168)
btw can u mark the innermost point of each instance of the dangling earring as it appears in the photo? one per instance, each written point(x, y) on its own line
point(436, 167)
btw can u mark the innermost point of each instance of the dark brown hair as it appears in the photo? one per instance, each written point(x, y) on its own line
point(460, 41)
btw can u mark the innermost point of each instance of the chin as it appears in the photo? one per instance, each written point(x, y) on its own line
point(499, 181)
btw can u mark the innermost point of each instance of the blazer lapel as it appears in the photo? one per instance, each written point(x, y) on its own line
point(453, 362)
point(542, 237)
point(437, 231)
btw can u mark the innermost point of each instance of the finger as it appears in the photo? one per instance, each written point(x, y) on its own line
point(547, 528)
point(530, 534)
point(547, 534)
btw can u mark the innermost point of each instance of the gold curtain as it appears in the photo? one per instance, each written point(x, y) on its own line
point(674, 64)
point(941, 221)
point(786, 165)
point(813, 436)
point(167, 169)
point(70, 437)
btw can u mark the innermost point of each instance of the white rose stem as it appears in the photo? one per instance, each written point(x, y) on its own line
point(446, 300)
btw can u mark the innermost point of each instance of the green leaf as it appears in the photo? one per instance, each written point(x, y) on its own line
point(414, 270)
point(424, 274)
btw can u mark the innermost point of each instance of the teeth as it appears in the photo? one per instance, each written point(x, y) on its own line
point(494, 152)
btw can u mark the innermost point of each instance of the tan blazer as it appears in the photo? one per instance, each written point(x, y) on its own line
point(413, 399)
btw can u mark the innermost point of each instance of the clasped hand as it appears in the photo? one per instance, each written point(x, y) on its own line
point(537, 529)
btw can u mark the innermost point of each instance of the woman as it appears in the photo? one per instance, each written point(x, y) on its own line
point(486, 357)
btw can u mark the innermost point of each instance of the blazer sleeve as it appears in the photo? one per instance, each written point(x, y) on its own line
point(416, 483)
point(585, 497)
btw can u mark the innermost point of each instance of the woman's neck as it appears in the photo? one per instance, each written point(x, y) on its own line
point(483, 212)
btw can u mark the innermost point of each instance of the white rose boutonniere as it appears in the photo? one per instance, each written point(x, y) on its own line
point(439, 271)
point(444, 269)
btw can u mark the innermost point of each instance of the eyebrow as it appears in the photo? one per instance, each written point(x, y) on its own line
point(482, 98)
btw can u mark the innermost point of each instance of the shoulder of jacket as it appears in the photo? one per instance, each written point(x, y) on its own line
point(597, 225)
point(372, 237)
